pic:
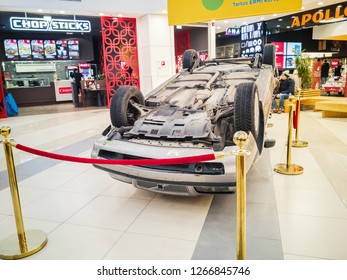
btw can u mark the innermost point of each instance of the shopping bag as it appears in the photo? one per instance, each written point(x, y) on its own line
point(11, 105)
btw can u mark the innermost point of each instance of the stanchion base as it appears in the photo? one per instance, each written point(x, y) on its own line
point(9, 247)
point(299, 144)
point(291, 169)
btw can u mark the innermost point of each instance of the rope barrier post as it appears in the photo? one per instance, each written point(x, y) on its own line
point(30, 242)
point(240, 139)
point(298, 143)
point(289, 168)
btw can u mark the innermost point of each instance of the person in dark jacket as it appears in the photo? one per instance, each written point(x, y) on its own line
point(286, 89)
point(324, 72)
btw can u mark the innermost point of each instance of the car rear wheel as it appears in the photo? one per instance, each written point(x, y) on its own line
point(269, 55)
point(122, 112)
point(248, 114)
point(189, 58)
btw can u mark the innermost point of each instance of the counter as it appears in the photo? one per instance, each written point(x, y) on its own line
point(63, 90)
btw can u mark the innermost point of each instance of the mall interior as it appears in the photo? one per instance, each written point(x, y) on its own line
point(88, 215)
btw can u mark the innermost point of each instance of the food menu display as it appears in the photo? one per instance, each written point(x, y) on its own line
point(252, 39)
point(11, 49)
point(37, 50)
point(286, 53)
point(50, 49)
point(74, 51)
point(25, 49)
point(62, 49)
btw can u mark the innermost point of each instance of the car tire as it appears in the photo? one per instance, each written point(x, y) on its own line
point(248, 114)
point(269, 55)
point(189, 58)
point(122, 113)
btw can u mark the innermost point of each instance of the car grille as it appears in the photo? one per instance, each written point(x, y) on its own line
point(167, 188)
point(201, 168)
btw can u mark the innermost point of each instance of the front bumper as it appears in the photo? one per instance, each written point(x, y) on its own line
point(216, 174)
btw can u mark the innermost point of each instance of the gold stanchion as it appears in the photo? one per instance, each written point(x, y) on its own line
point(240, 139)
point(30, 242)
point(298, 143)
point(289, 168)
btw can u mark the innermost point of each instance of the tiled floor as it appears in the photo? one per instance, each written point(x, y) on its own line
point(88, 215)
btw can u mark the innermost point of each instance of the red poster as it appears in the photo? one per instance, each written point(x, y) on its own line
point(316, 70)
point(279, 48)
point(334, 62)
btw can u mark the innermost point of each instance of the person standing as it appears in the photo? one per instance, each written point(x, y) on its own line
point(77, 78)
point(324, 72)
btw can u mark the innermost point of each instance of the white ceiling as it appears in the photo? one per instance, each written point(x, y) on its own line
point(125, 8)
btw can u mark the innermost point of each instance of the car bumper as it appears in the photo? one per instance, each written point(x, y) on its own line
point(216, 174)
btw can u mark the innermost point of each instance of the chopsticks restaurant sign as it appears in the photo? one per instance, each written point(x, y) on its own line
point(42, 24)
point(183, 11)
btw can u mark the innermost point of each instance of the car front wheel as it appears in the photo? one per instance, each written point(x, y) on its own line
point(122, 112)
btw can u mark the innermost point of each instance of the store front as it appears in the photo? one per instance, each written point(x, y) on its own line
point(39, 53)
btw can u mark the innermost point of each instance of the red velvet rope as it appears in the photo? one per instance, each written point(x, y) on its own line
point(296, 114)
point(141, 162)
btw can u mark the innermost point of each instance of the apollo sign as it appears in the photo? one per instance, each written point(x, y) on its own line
point(42, 24)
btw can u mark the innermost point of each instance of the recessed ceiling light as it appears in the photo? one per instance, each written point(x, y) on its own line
point(101, 14)
point(62, 12)
point(179, 26)
point(320, 3)
point(302, 8)
point(120, 15)
point(288, 26)
point(278, 25)
point(275, 15)
point(164, 11)
point(280, 19)
point(40, 10)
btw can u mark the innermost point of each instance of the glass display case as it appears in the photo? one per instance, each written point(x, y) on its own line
point(27, 83)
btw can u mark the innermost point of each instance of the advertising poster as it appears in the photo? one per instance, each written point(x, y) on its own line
point(280, 61)
point(251, 39)
point(11, 49)
point(62, 49)
point(50, 49)
point(286, 53)
point(24, 49)
point(37, 50)
point(74, 52)
point(316, 71)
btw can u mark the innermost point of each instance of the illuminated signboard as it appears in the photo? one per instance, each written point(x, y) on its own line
point(252, 39)
point(286, 53)
point(232, 31)
point(54, 25)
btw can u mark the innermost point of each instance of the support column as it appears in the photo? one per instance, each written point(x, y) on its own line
point(156, 51)
point(212, 39)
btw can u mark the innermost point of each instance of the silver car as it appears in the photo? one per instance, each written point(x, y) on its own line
point(195, 112)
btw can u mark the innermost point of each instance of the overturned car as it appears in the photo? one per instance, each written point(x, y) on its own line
point(195, 112)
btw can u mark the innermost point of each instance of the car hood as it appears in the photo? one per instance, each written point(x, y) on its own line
point(173, 123)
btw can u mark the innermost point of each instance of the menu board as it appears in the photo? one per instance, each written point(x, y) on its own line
point(24, 49)
point(50, 49)
point(286, 53)
point(11, 49)
point(252, 39)
point(74, 52)
point(62, 49)
point(37, 50)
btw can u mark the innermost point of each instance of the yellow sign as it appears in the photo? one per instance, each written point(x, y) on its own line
point(192, 11)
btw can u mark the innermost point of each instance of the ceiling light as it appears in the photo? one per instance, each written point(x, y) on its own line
point(288, 26)
point(262, 18)
point(280, 19)
point(62, 12)
point(302, 8)
point(120, 15)
point(178, 26)
point(101, 14)
point(40, 10)
point(164, 11)
point(320, 3)
point(275, 15)
point(278, 25)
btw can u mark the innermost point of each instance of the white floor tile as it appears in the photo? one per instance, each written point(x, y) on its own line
point(107, 212)
point(73, 242)
point(314, 236)
point(134, 246)
point(121, 189)
point(174, 217)
point(57, 206)
point(296, 257)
